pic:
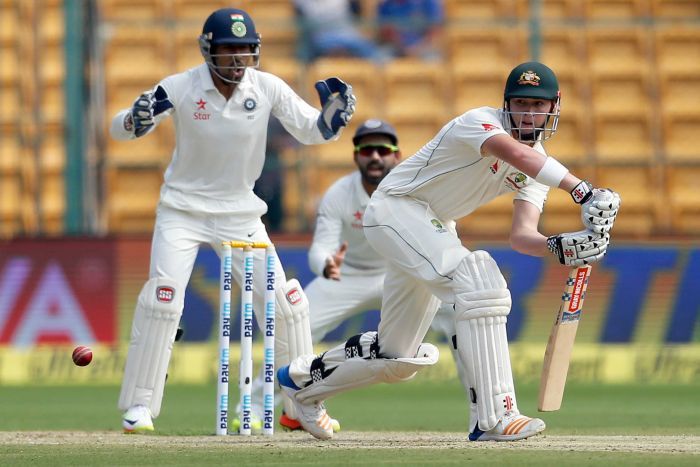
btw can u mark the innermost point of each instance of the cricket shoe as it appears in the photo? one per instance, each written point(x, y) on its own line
point(511, 427)
point(255, 425)
point(312, 416)
point(137, 420)
point(292, 424)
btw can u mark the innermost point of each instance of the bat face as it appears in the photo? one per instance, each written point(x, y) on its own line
point(561, 340)
point(574, 294)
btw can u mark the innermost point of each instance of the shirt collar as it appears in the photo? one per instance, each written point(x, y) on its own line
point(205, 76)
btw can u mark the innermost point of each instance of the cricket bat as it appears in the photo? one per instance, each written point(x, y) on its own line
point(561, 340)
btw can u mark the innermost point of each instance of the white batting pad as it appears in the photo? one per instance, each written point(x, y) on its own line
point(482, 304)
point(293, 331)
point(483, 346)
point(156, 317)
point(358, 372)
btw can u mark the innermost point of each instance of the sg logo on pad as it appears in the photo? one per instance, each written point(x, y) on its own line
point(294, 296)
point(165, 294)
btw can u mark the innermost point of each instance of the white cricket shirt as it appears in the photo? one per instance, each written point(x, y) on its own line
point(220, 144)
point(451, 175)
point(340, 219)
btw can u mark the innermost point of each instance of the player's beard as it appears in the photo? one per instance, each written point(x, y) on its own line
point(374, 179)
point(530, 135)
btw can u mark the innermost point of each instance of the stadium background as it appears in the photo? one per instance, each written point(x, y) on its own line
point(77, 209)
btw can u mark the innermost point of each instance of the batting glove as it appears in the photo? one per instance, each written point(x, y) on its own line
point(579, 248)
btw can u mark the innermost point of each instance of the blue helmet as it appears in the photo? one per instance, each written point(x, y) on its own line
point(229, 26)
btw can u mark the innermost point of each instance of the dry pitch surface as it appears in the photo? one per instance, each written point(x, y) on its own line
point(364, 440)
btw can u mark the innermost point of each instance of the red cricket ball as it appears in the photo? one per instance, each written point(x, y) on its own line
point(82, 355)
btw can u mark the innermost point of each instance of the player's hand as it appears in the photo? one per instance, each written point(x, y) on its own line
point(142, 113)
point(338, 106)
point(579, 248)
point(599, 212)
point(333, 263)
point(145, 108)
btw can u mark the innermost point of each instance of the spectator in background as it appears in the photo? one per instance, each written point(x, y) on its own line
point(328, 29)
point(411, 28)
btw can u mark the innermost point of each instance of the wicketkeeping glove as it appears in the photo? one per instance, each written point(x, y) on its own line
point(579, 248)
point(142, 113)
point(338, 105)
point(146, 107)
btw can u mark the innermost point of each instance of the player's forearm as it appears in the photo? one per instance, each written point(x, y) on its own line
point(317, 258)
point(530, 243)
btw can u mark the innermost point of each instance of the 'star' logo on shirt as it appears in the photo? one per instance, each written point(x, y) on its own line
point(201, 105)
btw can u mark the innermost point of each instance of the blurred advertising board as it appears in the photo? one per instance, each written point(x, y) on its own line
point(57, 291)
point(84, 291)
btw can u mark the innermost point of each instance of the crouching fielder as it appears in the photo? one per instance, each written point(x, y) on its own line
point(476, 157)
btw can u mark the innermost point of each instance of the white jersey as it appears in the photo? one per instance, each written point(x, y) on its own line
point(340, 219)
point(450, 174)
point(220, 144)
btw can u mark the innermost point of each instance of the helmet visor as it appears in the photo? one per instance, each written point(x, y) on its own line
point(529, 126)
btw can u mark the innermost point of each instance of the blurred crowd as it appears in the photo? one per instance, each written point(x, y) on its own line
point(402, 28)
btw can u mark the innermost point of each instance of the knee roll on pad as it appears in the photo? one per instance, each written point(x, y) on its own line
point(156, 318)
point(480, 289)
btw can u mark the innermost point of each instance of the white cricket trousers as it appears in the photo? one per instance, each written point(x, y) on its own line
point(422, 252)
point(178, 235)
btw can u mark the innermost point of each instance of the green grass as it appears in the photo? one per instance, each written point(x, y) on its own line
point(414, 406)
point(145, 456)
point(418, 406)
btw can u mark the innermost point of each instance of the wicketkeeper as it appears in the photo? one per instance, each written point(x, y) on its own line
point(221, 110)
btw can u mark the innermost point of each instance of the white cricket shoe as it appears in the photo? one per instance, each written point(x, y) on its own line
point(312, 416)
point(137, 420)
point(292, 424)
point(511, 427)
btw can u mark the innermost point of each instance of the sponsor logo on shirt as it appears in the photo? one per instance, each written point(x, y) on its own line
point(201, 105)
point(517, 180)
point(494, 166)
point(489, 127)
point(356, 220)
point(438, 226)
